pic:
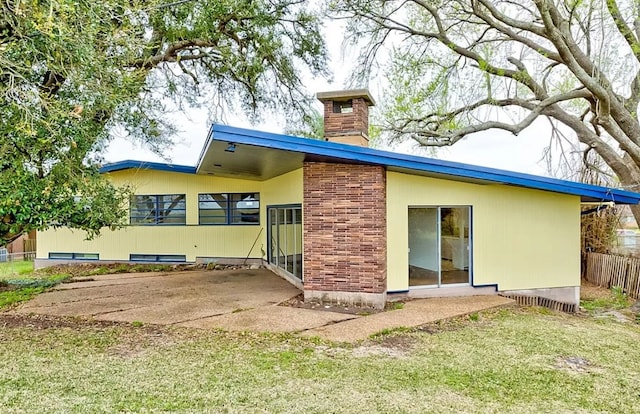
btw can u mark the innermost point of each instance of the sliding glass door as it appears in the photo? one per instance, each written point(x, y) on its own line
point(439, 246)
point(285, 238)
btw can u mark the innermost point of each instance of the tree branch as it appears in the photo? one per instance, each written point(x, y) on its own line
point(429, 133)
point(170, 53)
point(624, 28)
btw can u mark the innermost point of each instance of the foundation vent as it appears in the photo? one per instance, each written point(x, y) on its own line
point(543, 302)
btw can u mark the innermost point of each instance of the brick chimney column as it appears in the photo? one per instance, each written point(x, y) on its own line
point(345, 213)
point(346, 116)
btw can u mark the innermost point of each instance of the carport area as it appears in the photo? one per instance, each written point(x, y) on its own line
point(241, 299)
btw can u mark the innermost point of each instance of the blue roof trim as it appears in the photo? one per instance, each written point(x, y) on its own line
point(146, 165)
point(352, 153)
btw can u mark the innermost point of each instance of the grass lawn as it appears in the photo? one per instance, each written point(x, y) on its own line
point(19, 282)
point(12, 269)
point(524, 361)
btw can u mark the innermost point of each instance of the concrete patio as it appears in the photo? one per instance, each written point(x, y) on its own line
point(234, 300)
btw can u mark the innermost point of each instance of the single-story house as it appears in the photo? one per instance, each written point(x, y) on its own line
point(344, 222)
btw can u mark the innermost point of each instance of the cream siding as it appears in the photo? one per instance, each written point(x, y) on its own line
point(521, 238)
point(191, 239)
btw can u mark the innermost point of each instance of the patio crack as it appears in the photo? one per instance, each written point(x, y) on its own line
point(202, 317)
point(119, 310)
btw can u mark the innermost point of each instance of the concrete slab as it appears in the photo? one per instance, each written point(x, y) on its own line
point(169, 313)
point(164, 298)
point(235, 300)
point(415, 313)
point(107, 280)
point(270, 319)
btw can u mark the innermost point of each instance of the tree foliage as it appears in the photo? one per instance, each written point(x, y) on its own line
point(74, 71)
point(310, 126)
point(458, 67)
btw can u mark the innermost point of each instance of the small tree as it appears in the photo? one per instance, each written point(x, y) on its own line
point(599, 222)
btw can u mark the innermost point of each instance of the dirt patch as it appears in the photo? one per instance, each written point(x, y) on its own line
point(589, 291)
point(401, 342)
point(455, 324)
point(573, 364)
point(78, 279)
point(378, 350)
point(299, 302)
point(80, 270)
point(41, 322)
point(5, 287)
point(132, 340)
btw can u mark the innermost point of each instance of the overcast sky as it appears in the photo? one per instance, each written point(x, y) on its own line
point(496, 149)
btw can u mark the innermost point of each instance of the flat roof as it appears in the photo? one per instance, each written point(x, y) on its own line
point(146, 165)
point(257, 155)
point(346, 95)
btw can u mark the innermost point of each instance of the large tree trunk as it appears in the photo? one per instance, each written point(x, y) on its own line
point(635, 209)
point(630, 179)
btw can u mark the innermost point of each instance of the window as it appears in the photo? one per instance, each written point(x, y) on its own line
point(157, 258)
point(164, 209)
point(74, 256)
point(229, 208)
point(343, 107)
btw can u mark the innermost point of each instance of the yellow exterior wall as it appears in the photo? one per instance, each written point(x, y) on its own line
point(191, 239)
point(521, 238)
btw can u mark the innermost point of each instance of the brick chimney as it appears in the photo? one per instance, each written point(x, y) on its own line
point(346, 116)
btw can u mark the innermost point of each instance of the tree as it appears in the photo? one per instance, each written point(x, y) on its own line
point(310, 126)
point(74, 71)
point(458, 67)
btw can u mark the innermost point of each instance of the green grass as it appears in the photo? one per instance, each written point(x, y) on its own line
point(13, 297)
point(12, 269)
point(19, 283)
point(616, 300)
point(507, 361)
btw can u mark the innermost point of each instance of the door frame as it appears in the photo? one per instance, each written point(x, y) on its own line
point(269, 209)
point(439, 246)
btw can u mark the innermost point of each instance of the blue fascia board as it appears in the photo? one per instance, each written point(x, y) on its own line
point(146, 165)
point(351, 153)
point(205, 147)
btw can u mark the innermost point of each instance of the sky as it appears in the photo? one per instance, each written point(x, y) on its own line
point(496, 149)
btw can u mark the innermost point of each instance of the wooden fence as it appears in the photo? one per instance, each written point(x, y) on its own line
point(611, 270)
point(29, 249)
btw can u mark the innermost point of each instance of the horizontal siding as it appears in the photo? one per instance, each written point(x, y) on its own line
point(191, 240)
point(521, 238)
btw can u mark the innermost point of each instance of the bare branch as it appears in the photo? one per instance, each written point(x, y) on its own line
point(428, 130)
point(170, 53)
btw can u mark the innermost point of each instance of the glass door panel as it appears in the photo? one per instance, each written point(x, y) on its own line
point(424, 263)
point(282, 239)
point(439, 246)
point(285, 246)
point(273, 228)
point(297, 234)
point(454, 245)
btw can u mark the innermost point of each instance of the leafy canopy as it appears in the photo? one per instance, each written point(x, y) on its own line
point(74, 71)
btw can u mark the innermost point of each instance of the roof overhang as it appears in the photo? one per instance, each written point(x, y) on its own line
point(258, 155)
point(146, 165)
